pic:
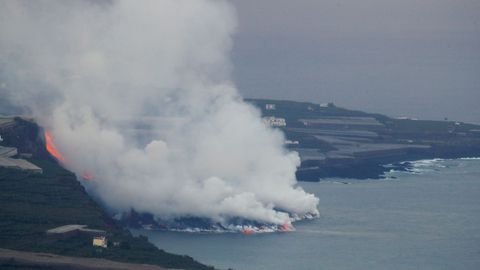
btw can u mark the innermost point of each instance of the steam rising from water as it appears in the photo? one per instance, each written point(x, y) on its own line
point(91, 71)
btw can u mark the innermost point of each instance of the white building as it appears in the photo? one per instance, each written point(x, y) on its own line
point(274, 121)
point(270, 107)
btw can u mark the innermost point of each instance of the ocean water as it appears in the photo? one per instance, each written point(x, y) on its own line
point(428, 218)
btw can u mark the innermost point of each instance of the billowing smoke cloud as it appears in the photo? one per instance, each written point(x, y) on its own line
point(137, 94)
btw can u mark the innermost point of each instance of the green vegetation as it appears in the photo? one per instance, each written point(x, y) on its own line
point(427, 128)
point(30, 204)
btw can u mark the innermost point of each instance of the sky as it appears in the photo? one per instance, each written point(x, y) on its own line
point(416, 58)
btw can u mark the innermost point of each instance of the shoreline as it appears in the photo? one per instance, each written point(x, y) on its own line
point(369, 169)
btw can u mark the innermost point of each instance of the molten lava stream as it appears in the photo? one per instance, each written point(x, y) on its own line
point(87, 176)
point(247, 231)
point(51, 147)
point(286, 228)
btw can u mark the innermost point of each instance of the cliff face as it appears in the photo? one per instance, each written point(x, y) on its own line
point(32, 203)
point(337, 142)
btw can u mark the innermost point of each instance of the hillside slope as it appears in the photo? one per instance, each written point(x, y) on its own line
point(32, 203)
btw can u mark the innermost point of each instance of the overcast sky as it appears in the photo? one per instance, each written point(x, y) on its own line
point(418, 58)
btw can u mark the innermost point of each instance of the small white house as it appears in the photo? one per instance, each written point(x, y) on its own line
point(270, 107)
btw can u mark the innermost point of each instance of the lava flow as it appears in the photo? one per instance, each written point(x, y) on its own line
point(51, 147)
point(87, 176)
point(286, 228)
point(247, 231)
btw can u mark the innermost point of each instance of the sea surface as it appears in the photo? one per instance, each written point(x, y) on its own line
point(428, 218)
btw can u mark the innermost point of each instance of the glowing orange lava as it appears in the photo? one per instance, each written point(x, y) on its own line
point(87, 176)
point(247, 231)
point(286, 227)
point(51, 147)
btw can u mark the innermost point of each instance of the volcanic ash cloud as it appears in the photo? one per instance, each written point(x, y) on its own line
point(137, 94)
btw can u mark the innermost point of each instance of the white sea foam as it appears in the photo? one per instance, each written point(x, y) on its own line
point(470, 158)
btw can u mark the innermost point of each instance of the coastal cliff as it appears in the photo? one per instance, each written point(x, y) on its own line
point(337, 142)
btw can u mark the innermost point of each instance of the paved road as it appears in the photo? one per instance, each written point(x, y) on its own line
point(51, 261)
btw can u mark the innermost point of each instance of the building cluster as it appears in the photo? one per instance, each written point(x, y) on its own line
point(275, 121)
point(8, 160)
point(9, 156)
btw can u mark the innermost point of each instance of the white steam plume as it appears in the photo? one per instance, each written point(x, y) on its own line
point(90, 71)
